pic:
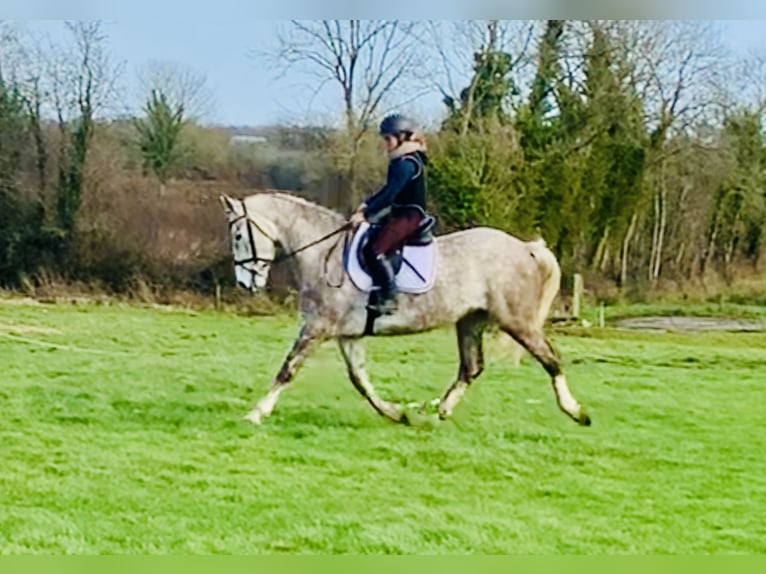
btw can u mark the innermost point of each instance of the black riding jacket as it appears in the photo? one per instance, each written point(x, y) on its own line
point(405, 186)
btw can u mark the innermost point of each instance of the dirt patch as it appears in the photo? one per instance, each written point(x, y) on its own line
point(691, 324)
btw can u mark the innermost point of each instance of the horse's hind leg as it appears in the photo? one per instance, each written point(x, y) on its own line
point(295, 357)
point(536, 343)
point(470, 333)
point(353, 355)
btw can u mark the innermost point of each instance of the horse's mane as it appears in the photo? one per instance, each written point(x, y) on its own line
point(297, 199)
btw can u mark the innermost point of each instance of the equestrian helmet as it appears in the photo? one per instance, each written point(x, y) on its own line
point(396, 124)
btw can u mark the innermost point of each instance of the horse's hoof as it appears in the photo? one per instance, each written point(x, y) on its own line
point(255, 417)
point(415, 406)
point(584, 419)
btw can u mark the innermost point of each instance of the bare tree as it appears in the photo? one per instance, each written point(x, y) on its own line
point(82, 81)
point(9, 44)
point(748, 84)
point(455, 44)
point(82, 77)
point(677, 68)
point(683, 62)
point(181, 85)
point(365, 59)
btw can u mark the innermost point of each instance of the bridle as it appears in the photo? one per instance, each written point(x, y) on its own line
point(281, 257)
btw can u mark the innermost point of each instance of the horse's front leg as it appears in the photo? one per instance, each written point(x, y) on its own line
point(353, 355)
point(302, 346)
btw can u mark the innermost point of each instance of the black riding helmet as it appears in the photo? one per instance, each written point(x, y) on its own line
point(397, 124)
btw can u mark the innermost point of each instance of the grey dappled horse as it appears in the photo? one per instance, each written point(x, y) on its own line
point(483, 275)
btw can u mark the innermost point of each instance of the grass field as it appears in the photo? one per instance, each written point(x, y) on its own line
point(121, 432)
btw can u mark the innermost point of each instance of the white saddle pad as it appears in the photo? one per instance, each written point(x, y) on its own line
point(417, 273)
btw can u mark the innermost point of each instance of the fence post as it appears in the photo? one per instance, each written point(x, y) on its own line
point(577, 296)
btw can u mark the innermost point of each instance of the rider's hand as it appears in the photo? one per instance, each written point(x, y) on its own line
point(356, 218)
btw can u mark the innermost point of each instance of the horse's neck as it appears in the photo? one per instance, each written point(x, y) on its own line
point(301, 223)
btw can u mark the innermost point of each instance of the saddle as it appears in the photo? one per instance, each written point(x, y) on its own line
point(414, 264)
point(422, 237)
point(424, 234)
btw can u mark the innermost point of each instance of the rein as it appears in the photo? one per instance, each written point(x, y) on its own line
point(283, 256)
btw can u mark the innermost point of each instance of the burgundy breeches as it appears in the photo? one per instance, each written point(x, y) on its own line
point(395, 232)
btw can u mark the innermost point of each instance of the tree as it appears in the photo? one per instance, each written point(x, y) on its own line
point(159, 135)
point(476, 152)
point(180, 86)
point(740, 202)
point(12, 118)
point(21, 217)
point(676, 68)
point(83, 83)
point(550, 125)
point(21, 67)
point(12, 133)
point(492, 88)
point(532, 117)
point(364, 59)
point(615, 163)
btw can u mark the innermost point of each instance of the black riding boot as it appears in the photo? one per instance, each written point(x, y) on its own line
point(384, 277)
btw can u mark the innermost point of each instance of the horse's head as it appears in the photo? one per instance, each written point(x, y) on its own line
point(253, 243)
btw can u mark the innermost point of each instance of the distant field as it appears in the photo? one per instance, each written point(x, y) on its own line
point(121, 432)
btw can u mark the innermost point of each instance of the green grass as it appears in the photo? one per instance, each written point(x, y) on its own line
point(140, 448)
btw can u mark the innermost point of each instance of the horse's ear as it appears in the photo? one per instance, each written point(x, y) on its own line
point(227, 203)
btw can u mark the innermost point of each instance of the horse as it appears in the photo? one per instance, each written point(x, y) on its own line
point(482, 276)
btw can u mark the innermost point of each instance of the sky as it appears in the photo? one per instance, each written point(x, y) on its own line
point(245, 89)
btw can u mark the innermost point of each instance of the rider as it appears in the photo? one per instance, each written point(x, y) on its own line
point(398, 208)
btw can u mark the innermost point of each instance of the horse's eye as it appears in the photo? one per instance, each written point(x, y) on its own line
point(238, 236)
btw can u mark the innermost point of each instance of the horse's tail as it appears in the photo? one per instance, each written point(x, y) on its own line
point(551, 278)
